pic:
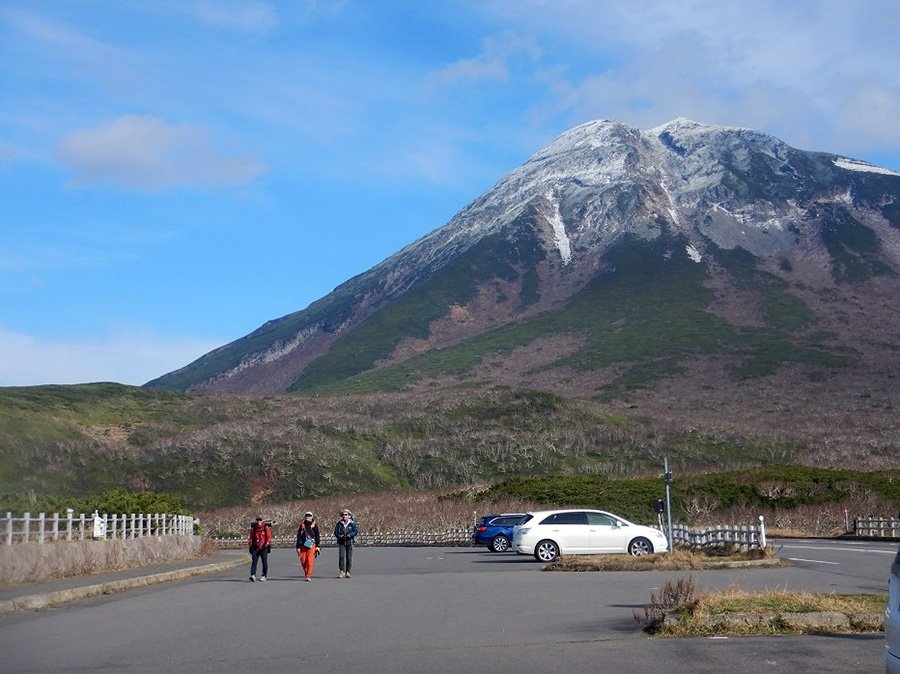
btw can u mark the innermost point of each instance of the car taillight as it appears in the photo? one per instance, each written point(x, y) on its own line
point(482, 528)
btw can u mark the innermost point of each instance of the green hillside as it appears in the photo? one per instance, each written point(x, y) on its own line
point(648, 316)
point(212, 451)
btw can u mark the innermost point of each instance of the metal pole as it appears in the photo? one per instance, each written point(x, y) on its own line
point(668, 477)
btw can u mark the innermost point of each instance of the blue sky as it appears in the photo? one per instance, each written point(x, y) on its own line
point(175, 173)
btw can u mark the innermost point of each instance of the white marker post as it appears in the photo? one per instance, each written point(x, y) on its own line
point(668, 476)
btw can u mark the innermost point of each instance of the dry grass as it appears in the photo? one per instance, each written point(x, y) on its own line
point(735, 600)
point(681, 559)
point(737, 612)
point(207, 548)
point(789, 533)
point(424, 511)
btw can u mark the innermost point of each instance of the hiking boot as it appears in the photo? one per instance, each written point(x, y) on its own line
point(252, 579)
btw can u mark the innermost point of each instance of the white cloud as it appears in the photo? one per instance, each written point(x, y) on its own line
point(241, 15)
point(869, 119)
point(310, 9)
point(50, 32)
point(491, 63)
point(131, 356)
point(147, 153)
point(816, 72)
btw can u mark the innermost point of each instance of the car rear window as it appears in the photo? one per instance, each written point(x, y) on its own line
point(566, 518)
point(506, 521)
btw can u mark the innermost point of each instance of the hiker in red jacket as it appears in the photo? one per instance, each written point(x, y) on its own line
point(260, 547)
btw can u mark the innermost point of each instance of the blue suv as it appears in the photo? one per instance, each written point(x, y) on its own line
point(495, 531)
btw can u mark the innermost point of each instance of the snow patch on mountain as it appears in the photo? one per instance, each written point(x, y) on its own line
point(693, 253)
point(856, 165)
point(559, 231)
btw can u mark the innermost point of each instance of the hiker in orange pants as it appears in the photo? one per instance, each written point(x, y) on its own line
point(308, 543)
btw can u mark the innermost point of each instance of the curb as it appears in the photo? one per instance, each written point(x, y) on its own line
point(36, 602)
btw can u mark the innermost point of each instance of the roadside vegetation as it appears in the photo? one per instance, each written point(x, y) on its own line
point(677, 611)
point(799, 498)
point(426, 511)
point(116, 501)
point(682, 559)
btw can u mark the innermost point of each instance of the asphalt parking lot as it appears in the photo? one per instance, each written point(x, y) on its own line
point(436, 609)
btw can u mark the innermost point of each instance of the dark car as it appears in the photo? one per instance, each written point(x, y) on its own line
point(495, 531)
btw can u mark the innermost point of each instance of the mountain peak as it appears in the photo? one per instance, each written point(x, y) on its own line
point(684, 124)
point(590, 136)
point(689, 196)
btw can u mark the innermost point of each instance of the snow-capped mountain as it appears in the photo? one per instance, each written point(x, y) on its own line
point(565, 269)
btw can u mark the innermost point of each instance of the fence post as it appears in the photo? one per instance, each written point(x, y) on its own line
point(132, 525)
point(42, 527)
point(762, 532)
point(26, 528)
point(81, 527)
point(69, 513)
point(9, 528)
point(55, 526)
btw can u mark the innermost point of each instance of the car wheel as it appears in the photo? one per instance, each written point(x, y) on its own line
point(546, 551)
point(640, 546)
point(499, 543)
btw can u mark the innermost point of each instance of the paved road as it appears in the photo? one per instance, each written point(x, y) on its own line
point(441, 610)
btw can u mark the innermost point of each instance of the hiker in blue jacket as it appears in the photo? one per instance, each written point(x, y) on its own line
point(345, 532)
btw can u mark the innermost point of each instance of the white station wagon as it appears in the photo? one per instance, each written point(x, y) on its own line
point(550, 533)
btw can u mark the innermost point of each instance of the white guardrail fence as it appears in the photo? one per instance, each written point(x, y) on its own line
point(68, 527)
point(45, 528)
point(876, 527)
point(451, 537)
point(742, 537)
